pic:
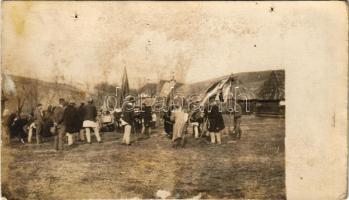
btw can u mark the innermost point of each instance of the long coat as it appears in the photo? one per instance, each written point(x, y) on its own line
point(215, 120)
point(128, 114)
point(179, 118)
point(147, 116)
point(90, 112)
point(168, 124)
point(81, 113)
point(71, 119)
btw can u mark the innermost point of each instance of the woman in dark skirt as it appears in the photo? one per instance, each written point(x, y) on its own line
point(168, 124)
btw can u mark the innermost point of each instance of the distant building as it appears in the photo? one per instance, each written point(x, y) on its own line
point(261, 92)
point(271, 95)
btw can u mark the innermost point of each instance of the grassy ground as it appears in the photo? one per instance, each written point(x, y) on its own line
point(252, 168)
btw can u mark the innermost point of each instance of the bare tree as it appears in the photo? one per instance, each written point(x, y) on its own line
point(20, 97)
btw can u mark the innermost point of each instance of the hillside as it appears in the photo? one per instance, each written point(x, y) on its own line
point(24, 93)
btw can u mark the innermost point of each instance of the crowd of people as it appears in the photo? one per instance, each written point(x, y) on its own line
point(75, 123)
point(205, 123)
point(66, 119)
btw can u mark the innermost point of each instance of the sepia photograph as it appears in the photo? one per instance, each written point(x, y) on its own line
point(164, 100)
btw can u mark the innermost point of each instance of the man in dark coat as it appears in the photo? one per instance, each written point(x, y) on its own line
point(81, 113)
point(147, 119)
point(58, 119)
point(71, 121)
point(138, 120)
point(215, 121)
point(90, 115)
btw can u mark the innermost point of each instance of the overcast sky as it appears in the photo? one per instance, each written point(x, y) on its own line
point(93, 41)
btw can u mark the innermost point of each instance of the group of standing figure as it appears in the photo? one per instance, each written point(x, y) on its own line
point(208, 122)
point(77, 122)
point(65, 119)
point(74, 122)
point(139, 120)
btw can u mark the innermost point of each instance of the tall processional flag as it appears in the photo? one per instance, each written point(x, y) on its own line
point(125, 89)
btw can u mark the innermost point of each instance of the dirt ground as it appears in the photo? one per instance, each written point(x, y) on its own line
point(251, 168)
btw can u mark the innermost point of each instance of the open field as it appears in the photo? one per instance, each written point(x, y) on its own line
point(253, 167)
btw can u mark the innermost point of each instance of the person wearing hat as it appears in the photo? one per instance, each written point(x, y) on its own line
point(127, 118)
point(90, 115)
